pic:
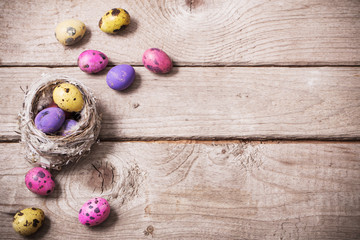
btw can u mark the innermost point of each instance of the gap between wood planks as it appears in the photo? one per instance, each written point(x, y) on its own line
point(210, 65)
point(221, 141)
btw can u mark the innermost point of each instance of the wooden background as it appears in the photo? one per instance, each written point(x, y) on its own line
point(253, 135)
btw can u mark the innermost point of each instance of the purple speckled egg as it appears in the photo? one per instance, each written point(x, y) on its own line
point(94, 211)
point(120, 77)
point(157, 61)
point(92, 61)
point(49, 120)
point(40, 181)
point(68, 127)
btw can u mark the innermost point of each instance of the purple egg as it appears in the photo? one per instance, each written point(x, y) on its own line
point(120, 77)
point(92, 61)
point(68, 127)
point(50, 119)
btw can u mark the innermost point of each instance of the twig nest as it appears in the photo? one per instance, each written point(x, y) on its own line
point(55, 150)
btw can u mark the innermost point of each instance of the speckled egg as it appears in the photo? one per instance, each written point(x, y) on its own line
point(92, 61)
point(157, 61)
point(49, 120)
point(94, 211)
point(68, 128)
point(70, 31)
point(114, 20)
point(68, 97)
point(120, 77)
point(53, 104)
point(28, 221)
point(40, 181)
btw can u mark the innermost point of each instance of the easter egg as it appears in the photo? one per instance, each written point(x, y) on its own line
point(53, 104)
point(94, 211)
point(68, 97)
point(69, 127)
point(157, 61)
point(70, 31)
point(49, 120)
point(28, 221)
point(114, 20)
point(92, 61)
point(40, 181)
point(120, 77)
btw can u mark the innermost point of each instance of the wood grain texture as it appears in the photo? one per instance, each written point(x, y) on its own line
point(209, 103)
point(197, 190)
point(197, 32)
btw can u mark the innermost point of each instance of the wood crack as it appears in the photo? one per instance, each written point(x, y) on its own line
point(102, 178)
point(189, 3)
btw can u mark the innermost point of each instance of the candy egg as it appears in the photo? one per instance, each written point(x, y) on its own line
point(92, 61)
point(40, 181)
point(157, 61)
point(68, 127)
point(53, 104)
point(120, 77)
point(114, 20)
point(94, 211)
point(28, 221)
point(70, 31)
point(68, 97)
point(49, 120)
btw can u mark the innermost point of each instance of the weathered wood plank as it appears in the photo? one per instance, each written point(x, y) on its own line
point(197, 190)
point(207, 103)
point(199, 32)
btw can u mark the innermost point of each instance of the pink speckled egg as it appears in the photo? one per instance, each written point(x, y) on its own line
point(94, 211)
point(157, 61)
point(40, 181)
point(53, 104)
point(92, 61)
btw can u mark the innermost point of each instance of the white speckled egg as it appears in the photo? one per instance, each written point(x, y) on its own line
point(70, 31)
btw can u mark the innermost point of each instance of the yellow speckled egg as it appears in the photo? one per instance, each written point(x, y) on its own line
point(114, 20)
point(70, 31)
point(68, 97)
point(28, 221)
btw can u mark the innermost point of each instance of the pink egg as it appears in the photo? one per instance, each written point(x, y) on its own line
point(67, 114)
point(92, 61)
point(40, 181)
point(157, 61)
point(94, 211)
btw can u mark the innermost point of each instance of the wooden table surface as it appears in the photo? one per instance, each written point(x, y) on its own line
point(253, 135)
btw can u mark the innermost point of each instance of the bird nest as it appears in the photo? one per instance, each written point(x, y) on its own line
point(54, 151)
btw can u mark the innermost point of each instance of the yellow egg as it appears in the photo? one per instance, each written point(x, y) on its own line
point(28, 221)
point(114, 20)
point(68, 97)
point(70, 31)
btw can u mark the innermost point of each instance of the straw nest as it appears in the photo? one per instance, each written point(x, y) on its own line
point(54, 151)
